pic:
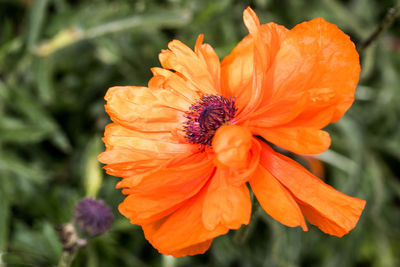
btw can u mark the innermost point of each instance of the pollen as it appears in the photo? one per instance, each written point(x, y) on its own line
point(205, 116)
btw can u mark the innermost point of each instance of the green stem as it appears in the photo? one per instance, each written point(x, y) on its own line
point(66, 259)
point(170, 18)
point(387, 21)
point(70, 36)
point(71, 244)
point(168, 261)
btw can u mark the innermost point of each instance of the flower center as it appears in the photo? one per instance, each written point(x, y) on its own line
point(205, 116)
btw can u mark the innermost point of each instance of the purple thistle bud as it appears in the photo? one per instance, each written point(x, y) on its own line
point(92, 217)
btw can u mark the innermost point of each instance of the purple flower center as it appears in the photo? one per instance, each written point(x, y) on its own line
point(205, 117)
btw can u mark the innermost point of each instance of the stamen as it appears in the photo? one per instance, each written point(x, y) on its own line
point(205, 116)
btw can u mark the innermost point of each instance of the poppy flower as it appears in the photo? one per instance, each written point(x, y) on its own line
point(187, 145)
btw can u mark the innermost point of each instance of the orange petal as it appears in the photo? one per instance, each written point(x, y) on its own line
point(276, 200)
point(303, 110)
point(159, 143)
point(207, 54)
point(198, 67)
point(134, 172)
point(143, 109)
point(129, 152)
point(237, 72)
point(238, 68)
point(171, 81)
point(296, 139)
point(315, 166)
point(161, 192)
point(316, 55)
point(238, 177)
point(183, 228)
point(226, 204)
point(332, 211)
point(231, 144)
point(251, 21)
point(191, 250)
point(250, 160)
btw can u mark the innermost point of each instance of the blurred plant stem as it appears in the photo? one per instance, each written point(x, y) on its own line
point(387, 21)
point(66, 259)
point(71, 244)
point(92, 172)
point(168, 261)
point(72, 35)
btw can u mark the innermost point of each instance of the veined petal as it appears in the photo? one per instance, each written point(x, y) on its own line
point(171, 81)
point(251, 21)
point(134, 172)
point(238, 69)
point(332, 211)
point(161, 143)
point(208, 55)
point(314, 56)
point(191, 250)
point(231, 144)
point(195, 67)
point(130, 154)
point(276, 200)
point(299, 140)
point(226, 204)
point(237, 152)
point(183, 228)
point(163, 191)
point(146, 110)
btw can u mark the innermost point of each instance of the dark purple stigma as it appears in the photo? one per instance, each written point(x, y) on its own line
point(205, 116)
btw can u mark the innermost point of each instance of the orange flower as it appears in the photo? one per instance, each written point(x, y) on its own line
point(187, 145)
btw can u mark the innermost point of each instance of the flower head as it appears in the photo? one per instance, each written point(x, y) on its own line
point(92, 217)
point(186, 146)
point(205, 116)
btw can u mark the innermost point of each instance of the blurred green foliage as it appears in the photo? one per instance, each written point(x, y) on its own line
point(57, 59)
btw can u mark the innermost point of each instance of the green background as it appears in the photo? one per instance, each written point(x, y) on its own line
point(57, 59)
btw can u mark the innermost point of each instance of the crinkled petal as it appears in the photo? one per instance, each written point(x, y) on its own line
point(299, 140)
point(236, 152)
point(296, 110)
point(231, 144)
point(171, 81)
point(208, 55)
point(226, 204)
point(183, 228)
point(146, 110)
point(319, 60)
point(196, 67)
point(242, 72)
point(129, 152)
point(275, 199)
point(191, 250)
point(159, 143)
point(163, 191)
point(332, 211)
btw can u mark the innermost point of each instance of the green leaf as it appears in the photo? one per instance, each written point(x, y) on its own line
point(36, 19)
point(44, 79)
point(12, 164)
point(38, 116)
point(5, 206)
point(72, 35)
point(18, 131)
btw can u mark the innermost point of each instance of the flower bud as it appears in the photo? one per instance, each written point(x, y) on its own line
point(92, 217)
